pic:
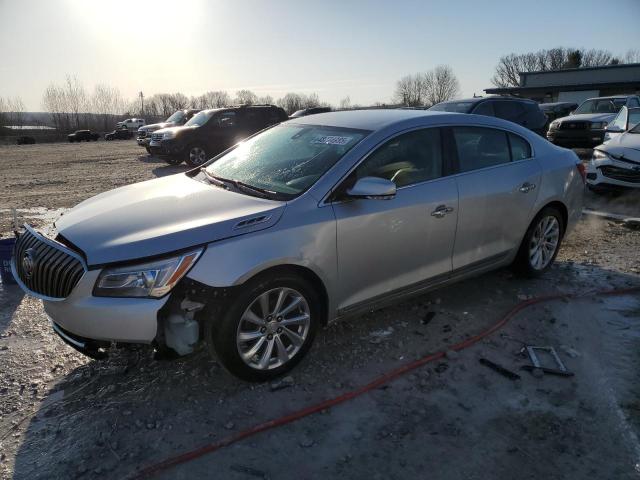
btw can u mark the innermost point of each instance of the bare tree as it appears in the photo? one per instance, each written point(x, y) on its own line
point(245, 97)
point(214, 99)
point(509, 66)
point(75, 98)
point(411, 90)
point(632, 56)
point(15, 114)
point(293, 102)
point(265, 100)
point(106, 103)
point(441, 84)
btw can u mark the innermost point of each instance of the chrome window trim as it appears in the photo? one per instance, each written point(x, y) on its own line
point(325, 199)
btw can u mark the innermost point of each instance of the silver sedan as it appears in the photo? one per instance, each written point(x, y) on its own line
point(315, 219)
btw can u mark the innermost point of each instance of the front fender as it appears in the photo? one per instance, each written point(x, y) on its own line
point(310, 244)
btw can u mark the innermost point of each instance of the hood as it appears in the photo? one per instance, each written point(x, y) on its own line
point(156, 126)
point(623, 147)
point(590, 117)
point(161, 216)
point(176, 129)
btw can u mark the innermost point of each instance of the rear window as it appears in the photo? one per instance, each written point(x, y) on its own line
point(520, 148)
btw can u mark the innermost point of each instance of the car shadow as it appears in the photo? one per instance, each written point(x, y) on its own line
point(10, 298)
point(111, 417)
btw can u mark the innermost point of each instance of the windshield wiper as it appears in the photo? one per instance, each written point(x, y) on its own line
point(225, 182)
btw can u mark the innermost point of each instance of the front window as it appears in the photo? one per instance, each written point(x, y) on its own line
point(457, 107)
point(201, 118)
point(604, 105)
point(287, 159)
point(176, 117)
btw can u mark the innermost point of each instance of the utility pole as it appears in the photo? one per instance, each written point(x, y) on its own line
point(141, 104)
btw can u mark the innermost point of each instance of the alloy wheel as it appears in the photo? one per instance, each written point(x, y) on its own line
point(544, 242)
point(273, 329)
point(197, 156)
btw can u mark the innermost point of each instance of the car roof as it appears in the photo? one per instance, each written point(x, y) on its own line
point(611, 97)
point(370, 119)
point(493, 97)
point(556, 104)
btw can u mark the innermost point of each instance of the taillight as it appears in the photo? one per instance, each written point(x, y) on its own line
point(583, 171)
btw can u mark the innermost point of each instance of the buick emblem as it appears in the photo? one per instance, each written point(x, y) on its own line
point(28, 262)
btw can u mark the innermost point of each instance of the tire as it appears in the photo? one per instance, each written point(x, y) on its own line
point(172, 160)
point(232, 337)
point(196, 156)
point(535, 256)
point(148, 150)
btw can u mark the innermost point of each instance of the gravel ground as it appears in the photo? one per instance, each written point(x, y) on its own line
point(65, 416)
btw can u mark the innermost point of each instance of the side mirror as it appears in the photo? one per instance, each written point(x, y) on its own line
point(613, 129)
point(373, 188)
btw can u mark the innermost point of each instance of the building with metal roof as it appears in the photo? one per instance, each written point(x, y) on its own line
point(575, 84)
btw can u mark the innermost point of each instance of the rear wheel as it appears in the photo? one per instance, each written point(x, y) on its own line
point(267, 328)
point(541, 243)
point(196, 156)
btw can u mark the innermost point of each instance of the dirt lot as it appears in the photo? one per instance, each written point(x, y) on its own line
point(65, 416)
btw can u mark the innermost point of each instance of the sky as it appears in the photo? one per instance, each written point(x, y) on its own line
point(334, 48)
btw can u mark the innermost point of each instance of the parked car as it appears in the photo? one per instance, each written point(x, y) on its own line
point(557, 109)
point(615, 165)
point(517, 110)
point(212, 131)
point(586, 126)
point(310, 111)
point(119, 134)
point(82, 136)
point(627, 118)
point(132, 124)
point(309, 221)
point(178, 118)
point(25, 140)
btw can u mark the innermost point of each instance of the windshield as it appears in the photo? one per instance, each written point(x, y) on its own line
point(604, 105)
point(459, 107)
point(176, 117)
point(200, 118)
point(286, 159)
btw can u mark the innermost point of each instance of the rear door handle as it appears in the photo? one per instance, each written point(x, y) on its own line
point(441, 211)
point(526, 187)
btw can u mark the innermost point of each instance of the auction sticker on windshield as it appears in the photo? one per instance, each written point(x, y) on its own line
point(331, 139)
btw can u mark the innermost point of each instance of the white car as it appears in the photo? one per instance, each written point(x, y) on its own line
point(627, 118)
point(615, 165)
point(131, 123)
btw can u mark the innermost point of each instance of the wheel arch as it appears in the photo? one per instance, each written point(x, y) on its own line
point(306, 273)
point(561, 207)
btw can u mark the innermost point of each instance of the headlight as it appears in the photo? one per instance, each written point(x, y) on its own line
point(555, 124)
point(599, 155)
point(152, 279)
point(598, 125)
point(169, 135)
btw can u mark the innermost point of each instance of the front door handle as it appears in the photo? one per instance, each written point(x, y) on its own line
point(526, 187)
point(441, 211)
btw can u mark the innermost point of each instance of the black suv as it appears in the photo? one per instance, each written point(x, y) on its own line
point(517, 110)
point(211, 132)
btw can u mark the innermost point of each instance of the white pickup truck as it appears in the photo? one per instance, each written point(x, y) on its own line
point(132, 124)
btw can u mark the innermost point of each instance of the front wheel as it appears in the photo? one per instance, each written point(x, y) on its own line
point(196, 156)
point(267, 329)
point(541, 243)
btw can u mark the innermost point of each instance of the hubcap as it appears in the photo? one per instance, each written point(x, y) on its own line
point(544, 242)
point(197, 156)
point(273, 328)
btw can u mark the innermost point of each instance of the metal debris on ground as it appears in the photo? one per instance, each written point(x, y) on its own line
point(537, 366)
point(500, 369)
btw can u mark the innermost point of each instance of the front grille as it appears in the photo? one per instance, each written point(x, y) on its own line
point(45, 268)
point(621, 174)
point(574, 126)
point(156, 137)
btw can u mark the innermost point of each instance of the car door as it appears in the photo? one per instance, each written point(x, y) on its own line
point(387, 245)
point(498, 180)
point(221, 131)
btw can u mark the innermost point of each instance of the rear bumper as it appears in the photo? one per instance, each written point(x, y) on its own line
point(576, 138)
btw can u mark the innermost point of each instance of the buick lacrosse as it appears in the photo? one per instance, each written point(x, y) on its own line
point(309, 221)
